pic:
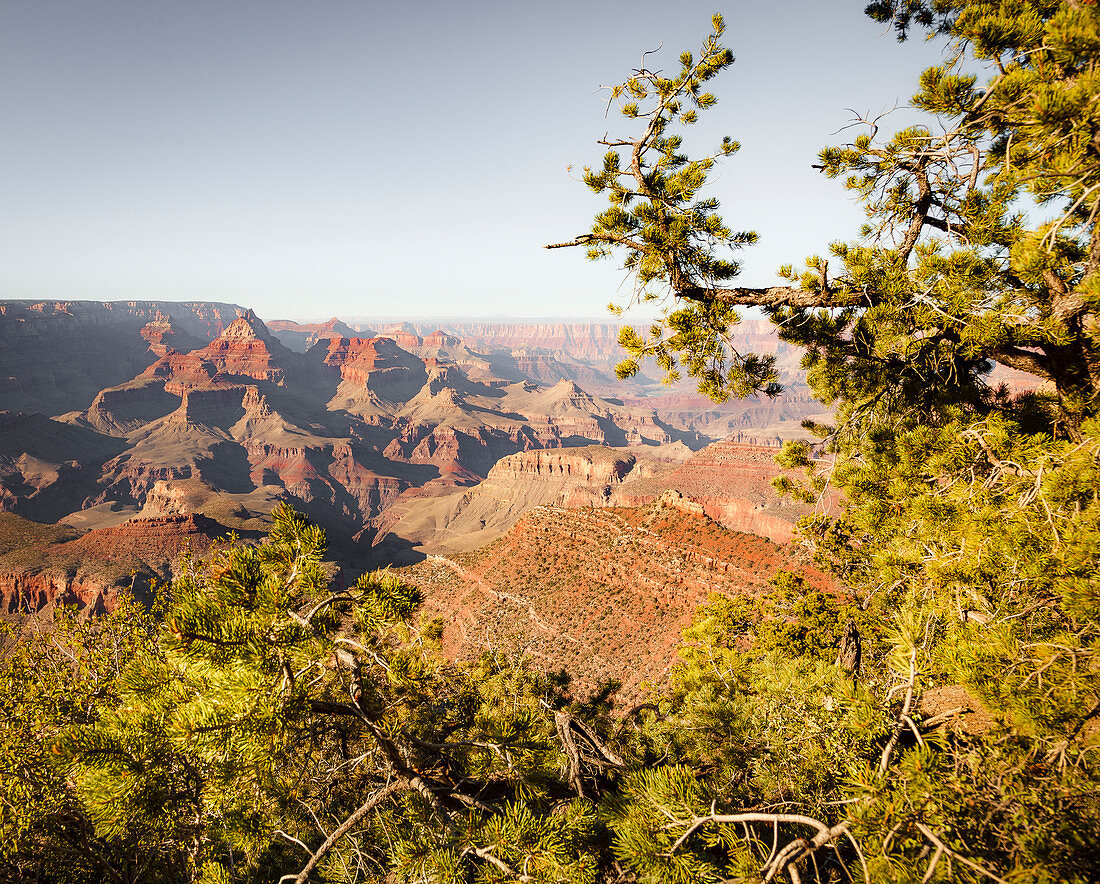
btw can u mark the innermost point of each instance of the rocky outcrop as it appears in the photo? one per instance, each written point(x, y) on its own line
point(602, 593)
point(90, 570)
point(570, 477)
point(245, 349)
point(301, 337)
point(373, 368)
point(728, 482)
point(41, 593)
point(165, 336)
point(118, 410)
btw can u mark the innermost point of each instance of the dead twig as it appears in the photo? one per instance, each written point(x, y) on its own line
point(942, 848)
point(345, 827)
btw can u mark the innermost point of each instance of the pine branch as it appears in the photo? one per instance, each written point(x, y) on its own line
point(345, 827)
point(485, 854)
point(884, 762)
point(785, 856)
point(942, 848)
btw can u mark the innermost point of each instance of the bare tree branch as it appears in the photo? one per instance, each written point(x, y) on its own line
point(782, 858)
point(345, 827)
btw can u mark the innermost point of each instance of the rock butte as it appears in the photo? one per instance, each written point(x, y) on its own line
point(89, 570)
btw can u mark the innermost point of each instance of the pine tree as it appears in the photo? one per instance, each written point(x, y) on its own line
point(950, 276)
point(55, 675)
point(972, 519)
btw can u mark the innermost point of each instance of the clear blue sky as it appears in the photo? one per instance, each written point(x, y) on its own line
point(331, 157)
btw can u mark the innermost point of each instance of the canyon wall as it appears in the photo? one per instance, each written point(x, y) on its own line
point(55, 567)
point(728, 481)
point(55, 356)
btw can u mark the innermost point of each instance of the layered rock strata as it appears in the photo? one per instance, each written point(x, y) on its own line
point(231, 425)
point(89, 570)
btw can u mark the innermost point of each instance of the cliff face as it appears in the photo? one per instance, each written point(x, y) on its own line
point(728, 482)
point(373, 368)
point(89, 570)
point(40, 594)
point(55, 356)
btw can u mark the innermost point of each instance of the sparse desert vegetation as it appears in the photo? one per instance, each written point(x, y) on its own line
point(600, 593)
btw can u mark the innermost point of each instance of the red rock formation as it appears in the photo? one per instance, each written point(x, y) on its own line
point(602, 593)
point(163, 336)
point(377, 365)
point(92, 569)
point(301, 337)
point(244, 350)
point(101, 343)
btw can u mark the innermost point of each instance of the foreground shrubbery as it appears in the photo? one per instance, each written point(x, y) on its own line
point(262, 726)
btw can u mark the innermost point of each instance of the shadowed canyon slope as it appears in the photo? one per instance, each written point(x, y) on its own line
point(56, 355)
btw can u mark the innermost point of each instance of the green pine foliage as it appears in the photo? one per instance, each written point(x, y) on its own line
point(264, 725)
point(270, 711)
point(969, 533)
point(669, 236)
point(52, 677)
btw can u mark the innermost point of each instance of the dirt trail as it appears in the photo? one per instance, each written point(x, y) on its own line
point(475, 580)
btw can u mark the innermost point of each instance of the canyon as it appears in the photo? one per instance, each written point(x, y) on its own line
point(183, 422)
point(600, 594)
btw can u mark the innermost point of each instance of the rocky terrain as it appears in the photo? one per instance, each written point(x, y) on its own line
point(341, 430)
point(44, 566)
point(213, 415)
point(728, 481)
point(587, 352)
point(56, 355)
point(599, 593)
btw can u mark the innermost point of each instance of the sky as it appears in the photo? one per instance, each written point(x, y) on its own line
point(410, 158)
